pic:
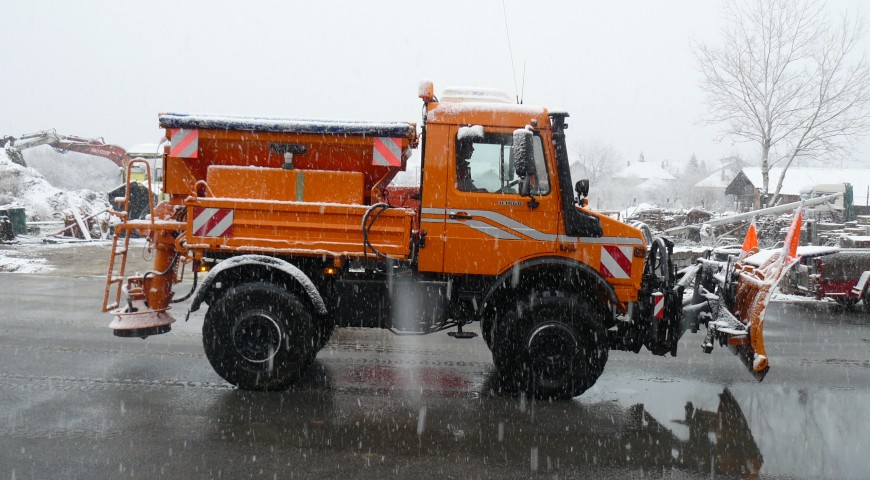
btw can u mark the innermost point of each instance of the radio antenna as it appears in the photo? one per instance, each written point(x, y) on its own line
point(511, 50)
point(523, 85)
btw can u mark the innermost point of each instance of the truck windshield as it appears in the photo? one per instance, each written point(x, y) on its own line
point(486, 165)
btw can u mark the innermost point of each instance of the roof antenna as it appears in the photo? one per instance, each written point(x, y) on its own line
point(523, 85)
point(510, 49)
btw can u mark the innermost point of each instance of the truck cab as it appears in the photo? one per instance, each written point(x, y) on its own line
point(482, 218)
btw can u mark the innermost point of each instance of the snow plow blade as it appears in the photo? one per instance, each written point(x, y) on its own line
point(731, 299)
point(750, 302)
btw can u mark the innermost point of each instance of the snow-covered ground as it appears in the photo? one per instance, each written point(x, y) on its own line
point(18, 261)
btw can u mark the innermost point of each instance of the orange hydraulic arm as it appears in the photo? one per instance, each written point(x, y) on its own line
point(63, 144)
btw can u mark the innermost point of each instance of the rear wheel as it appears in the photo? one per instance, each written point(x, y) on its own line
point(552, 344)
point(259, 336)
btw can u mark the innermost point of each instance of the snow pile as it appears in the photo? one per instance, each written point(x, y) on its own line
point(19, 262)
point(637, 210)
point(74, 170)
point(26, 187)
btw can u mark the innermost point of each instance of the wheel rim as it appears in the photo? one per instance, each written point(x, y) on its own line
point(257, 337)
point(552, 348)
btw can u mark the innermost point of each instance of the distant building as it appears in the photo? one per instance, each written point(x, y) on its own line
point(746, 186)
point(644, 175)
point(719, 180)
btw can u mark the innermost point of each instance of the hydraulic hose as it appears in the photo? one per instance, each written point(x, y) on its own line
point(192, 289)
point(660, 260)
point(368, 224)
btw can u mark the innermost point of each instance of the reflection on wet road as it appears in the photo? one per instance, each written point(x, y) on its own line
point(79, 403)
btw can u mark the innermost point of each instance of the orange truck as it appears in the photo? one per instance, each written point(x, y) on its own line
point(291, 228)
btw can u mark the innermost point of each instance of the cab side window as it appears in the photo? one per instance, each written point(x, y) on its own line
point(485, 165)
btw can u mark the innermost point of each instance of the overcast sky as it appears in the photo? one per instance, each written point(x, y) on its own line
point(623, 69)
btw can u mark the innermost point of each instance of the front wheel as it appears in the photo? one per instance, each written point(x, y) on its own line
point(259, 336)
point(552, 345)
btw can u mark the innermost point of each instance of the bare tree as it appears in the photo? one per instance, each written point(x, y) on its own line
point(595, 161)
point(789, 80)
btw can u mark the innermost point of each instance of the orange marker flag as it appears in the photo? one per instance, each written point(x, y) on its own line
point(751, 240)
point(793, 238)
point(795, 234)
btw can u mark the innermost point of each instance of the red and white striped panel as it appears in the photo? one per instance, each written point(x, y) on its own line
point(185, 143)
point(616, 261)
point(658, 305)
point(212, 222)
point(387, 152)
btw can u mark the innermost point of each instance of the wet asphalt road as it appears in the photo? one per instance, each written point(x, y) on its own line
point(77, 402)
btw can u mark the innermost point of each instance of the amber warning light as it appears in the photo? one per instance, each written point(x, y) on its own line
point(426, 90)
point(201, 267)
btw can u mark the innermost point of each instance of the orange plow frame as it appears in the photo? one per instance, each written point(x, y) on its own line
point(736, 310)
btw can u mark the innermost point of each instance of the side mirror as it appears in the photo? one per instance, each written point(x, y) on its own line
point(522, 152)
point(582, 188)
point(524, 163)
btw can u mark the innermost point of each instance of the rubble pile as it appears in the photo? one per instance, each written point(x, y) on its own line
point(26, 187)
point(771, 228)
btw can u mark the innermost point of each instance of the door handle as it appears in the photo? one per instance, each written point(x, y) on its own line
point(460, 216)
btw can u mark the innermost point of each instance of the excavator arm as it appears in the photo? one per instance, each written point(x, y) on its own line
point(62, 144)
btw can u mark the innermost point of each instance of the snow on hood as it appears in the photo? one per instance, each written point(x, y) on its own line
point(26, 187)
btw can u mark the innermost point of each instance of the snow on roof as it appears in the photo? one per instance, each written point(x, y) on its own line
point(644, 170)
point(653, 184)
point(721, 178)
point(286, 125)
point(799, 179)
point(445, 108)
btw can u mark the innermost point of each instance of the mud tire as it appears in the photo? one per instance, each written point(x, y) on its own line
point(259, 336)
point(552, 345)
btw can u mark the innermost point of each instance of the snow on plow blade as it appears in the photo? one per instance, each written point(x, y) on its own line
point(744, 334)
point(731, 299)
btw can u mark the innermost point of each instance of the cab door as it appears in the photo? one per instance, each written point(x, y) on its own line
point(489, 225)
